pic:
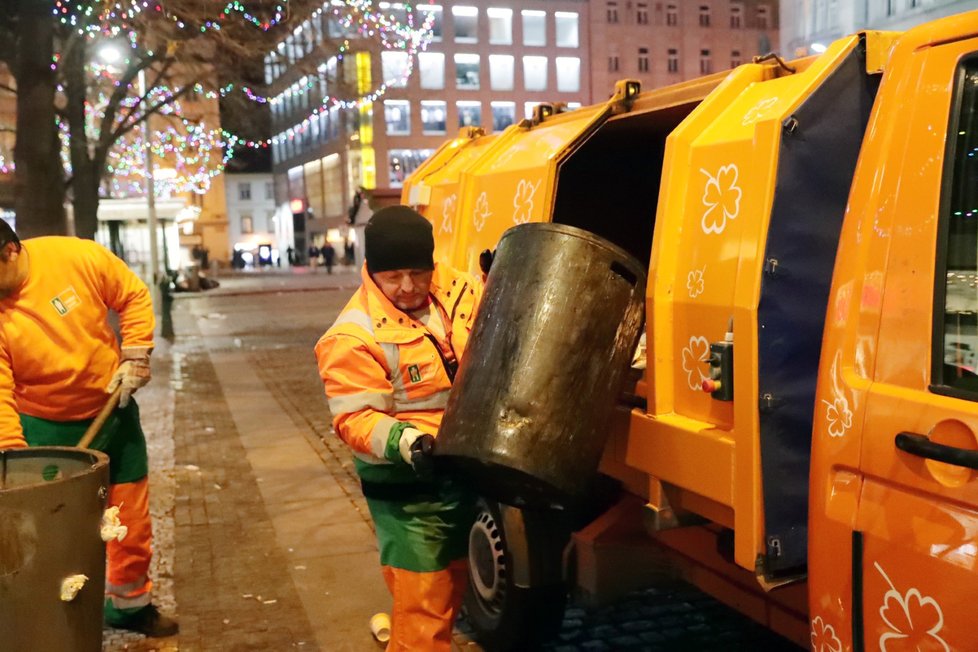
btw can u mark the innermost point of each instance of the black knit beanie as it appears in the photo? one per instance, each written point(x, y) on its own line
point(398, 237)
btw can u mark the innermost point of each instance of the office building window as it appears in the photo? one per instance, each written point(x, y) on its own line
point(763, 17)
point(706, 63)
point(466, 23)
point(467, 72)
point(469, 113)
point(567, 30)
point(394, 66)
point(247, 223)
point(435, 12)
point(672, 14)
point(568, 74)
point(642, 13)
point(431, 70)
point(501, 72)
point(503, 115)
point(673, 60)
point(736, 16)
point(735, 59)
point(534, 27)
point(244, 191)
point(397, 115)
point(433, 114)
point(704, 15)
point(643, 59)
point(402, 162)
point(500, 26)
point(270, 190)
point(612, 12)
point(613, 64)
point(535, 73)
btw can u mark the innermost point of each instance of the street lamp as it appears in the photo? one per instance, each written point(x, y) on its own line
point(110, 53)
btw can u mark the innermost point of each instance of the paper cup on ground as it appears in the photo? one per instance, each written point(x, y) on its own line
point(380, 627)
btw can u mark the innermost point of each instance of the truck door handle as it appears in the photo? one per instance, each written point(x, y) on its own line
point(911, 442)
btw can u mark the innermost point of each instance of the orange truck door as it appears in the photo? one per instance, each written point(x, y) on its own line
point(915, 541)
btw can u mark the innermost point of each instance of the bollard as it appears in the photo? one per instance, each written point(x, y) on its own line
point(166, 309)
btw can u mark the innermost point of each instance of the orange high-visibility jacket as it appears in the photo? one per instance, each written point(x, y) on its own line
point(57, 350)
point(380, 367)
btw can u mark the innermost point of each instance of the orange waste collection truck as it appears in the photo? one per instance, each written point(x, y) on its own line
point(801, 438)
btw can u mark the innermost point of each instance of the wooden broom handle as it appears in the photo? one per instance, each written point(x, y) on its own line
point(101, 418)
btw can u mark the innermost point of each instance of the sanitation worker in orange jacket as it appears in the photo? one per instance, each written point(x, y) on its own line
point(388, 363)
point(59, 360)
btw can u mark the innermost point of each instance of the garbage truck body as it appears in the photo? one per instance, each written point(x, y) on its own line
point(803, 440)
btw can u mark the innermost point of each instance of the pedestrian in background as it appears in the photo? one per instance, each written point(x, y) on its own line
point(329, 256)
point(388, 363)
point(59, 360)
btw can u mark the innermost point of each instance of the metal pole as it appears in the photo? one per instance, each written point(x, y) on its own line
point(152, 226)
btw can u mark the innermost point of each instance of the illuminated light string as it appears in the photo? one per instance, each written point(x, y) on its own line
point(190, 153)
point(83, 17)
point(300, 127)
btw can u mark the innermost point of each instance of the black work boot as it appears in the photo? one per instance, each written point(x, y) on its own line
point(148, 621)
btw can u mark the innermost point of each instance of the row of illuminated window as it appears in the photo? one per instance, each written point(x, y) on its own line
point(323, 26)
point(499, 24)
point(502, 69)
point(670, 14)
point(644, 61)
point(318, 130)
point(434, 117)
point(308, 92)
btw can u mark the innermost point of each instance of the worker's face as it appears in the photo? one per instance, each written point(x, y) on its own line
point(406, 288)
point(13, 268)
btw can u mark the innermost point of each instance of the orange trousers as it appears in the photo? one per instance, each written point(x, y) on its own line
point(425, 606)
point(127, 583)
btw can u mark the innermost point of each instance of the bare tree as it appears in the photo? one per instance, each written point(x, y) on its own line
point(26, 47)
point(178, 46)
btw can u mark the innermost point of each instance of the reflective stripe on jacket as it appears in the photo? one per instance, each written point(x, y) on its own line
point(381, 367)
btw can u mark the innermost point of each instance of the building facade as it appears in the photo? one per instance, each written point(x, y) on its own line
point(488, 64)
point(808, 26)
point(662, 42)
point(254, 229)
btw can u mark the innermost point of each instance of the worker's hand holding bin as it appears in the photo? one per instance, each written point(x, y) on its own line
point(416, 449)
point(133, 373)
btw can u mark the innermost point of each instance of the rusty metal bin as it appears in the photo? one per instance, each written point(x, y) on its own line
point(527, 418)
point(51, 505)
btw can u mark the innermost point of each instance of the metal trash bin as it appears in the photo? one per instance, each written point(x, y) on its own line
point(51, 505)
point(527, 418)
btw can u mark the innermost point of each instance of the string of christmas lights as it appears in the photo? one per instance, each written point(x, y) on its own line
point(117, 16)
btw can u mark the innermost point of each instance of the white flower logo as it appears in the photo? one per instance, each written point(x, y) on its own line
point(481, 213)
point(721, 192)
point(694, 282)
point(914, 620)
point(839, 416)
point(824, 638)
point(754, 113)
point(447, 213)
point(523, 201)
point(694, 355)
point(837, 412)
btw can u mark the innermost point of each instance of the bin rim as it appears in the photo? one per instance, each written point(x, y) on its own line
point(583, 234)
point(97, 460)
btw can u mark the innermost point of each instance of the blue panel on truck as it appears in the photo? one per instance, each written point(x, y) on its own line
point(819, 147)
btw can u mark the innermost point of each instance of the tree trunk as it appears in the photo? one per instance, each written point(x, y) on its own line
point(39, 176)
point(84, 174)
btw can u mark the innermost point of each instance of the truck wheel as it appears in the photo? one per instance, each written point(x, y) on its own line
point(504, 615)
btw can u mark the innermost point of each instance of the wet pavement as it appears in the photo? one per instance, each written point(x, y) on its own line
point(262, 538)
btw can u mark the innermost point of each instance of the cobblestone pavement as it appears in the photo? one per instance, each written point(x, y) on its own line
point(234, 410)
